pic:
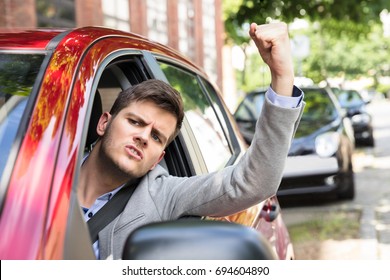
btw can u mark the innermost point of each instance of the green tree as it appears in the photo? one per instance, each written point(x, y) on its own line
point(341, 56)
point(347, 16)
point(339, 33)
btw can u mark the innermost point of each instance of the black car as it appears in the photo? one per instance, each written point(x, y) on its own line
point(356, 109)
point(320, 157)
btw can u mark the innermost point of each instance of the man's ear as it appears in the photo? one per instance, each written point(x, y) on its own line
point(159, 159)
point(103, 123)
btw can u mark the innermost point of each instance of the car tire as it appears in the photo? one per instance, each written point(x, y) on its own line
point(347, 184)
point(370, 141)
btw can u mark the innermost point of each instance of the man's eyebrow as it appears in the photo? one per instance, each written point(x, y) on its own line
point(160, 135)
point(154, 130)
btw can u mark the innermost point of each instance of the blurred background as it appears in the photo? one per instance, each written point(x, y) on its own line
point(341, 43)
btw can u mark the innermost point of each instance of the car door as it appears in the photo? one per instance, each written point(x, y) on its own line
point(105, 70)
point(109, 66)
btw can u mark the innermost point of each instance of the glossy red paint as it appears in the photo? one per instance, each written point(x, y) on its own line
point(35, 165)
point(17, 39)
point(47, 158)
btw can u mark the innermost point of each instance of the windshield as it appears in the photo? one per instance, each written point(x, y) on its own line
point(319, 106)
point(17, 76)
point(319, 111)
point(251, 106)
point(349, 98)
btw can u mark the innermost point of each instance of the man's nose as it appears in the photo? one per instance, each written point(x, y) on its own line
point(142, 137)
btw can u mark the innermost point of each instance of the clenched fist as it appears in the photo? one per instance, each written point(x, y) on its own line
point(273, 42)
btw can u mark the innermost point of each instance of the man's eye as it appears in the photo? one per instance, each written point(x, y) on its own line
point(134, 122)
point(155, 138)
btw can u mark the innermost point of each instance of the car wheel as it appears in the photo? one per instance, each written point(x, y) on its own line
point(370, 141)
point(347, 185)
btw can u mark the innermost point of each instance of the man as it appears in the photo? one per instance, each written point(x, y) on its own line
point(140, 125)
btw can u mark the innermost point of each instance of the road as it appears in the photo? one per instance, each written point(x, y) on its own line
point(371, 166)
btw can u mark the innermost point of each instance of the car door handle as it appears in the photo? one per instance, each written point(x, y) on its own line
point(270, 212)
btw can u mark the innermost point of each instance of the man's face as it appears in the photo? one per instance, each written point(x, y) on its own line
point(134, 140)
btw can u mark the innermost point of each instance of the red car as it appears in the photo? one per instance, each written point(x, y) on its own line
point(54, 84)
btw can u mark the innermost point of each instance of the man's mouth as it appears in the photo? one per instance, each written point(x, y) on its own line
point(134, 152)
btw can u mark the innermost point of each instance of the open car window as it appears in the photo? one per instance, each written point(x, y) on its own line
point(205, 123)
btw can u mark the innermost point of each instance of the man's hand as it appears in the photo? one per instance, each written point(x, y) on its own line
point(273, 42)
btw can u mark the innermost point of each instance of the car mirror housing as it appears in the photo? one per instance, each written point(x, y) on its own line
point(344, 112)
point(196, 240)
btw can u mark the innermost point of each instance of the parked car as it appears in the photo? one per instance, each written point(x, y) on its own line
point(54, 85)
point(320, 157)
point(356, 109)
point(369, 94)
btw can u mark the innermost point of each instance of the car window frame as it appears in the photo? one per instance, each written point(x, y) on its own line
point(231, 137)
point(77, 233)
point(227, 118)
point(201, 115)
point(177, 156)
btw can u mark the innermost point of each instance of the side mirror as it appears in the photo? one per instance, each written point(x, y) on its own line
point(197, 240)
point(344, 112)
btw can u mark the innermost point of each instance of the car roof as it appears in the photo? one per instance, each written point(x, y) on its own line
point(15, 39)
point(45, 39)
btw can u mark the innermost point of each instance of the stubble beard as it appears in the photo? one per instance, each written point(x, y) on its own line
point(113, 165)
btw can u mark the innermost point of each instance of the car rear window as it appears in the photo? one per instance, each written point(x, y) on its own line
point(18, 73)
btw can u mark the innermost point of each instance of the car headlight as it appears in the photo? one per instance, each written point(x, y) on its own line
point(360, 118)
point(327, 144)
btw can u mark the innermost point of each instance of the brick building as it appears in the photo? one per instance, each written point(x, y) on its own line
point(194, 27)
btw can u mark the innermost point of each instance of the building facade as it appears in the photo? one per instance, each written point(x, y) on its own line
point(193, 27)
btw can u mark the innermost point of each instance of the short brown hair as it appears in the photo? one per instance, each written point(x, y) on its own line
point(159, 92)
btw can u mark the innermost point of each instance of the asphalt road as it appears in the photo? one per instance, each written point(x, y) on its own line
point(372, 175)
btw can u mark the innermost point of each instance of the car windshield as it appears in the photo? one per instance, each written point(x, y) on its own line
point(18, 73)
point(349, 98)
point(319, 107)
point(250, 107)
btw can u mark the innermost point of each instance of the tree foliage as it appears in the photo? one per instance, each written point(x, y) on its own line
point(342, 57)
point(346, 37)
point(351, 17)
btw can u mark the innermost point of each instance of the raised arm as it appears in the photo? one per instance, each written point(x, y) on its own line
point(272, 41)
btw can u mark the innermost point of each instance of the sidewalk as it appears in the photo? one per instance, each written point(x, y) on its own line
point(382, 227)
point(374, 242)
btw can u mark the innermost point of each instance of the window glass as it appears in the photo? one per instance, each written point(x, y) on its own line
point(116, 14)
point(56, 13)
point(217, 107)
point(202, 118)
point(349, 98)
point(186, 28)
point(250, 108)
point(157, 20)
point(319, 106)
point(17, 76)
point(210, 43)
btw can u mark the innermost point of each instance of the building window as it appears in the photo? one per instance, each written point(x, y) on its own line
point(209, 33)
point(186, 14)
point(157, 20)
point(56, 13)
point(116, 14)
